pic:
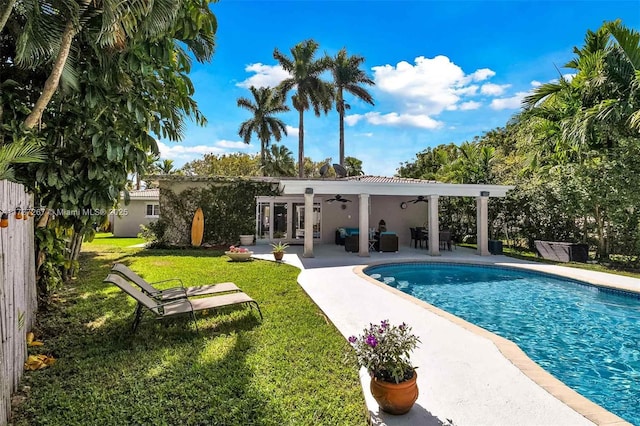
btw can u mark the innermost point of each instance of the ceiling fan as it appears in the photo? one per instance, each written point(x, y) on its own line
point(338, 197)
point(419, 198)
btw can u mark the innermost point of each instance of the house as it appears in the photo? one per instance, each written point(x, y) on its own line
point(309, 211)
point(143, 208)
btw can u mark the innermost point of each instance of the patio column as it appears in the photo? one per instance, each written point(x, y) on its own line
point(363, 220)
point(308, 223)
point(482, 223)
point(434, 226)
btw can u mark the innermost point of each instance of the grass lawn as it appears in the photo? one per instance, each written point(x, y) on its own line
point(287, 370)
point(107, 240)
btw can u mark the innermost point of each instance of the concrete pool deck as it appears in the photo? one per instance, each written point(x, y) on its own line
point(466, 375)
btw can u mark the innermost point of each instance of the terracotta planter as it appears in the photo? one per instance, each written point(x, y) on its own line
point(395, 398)
point(278, 255)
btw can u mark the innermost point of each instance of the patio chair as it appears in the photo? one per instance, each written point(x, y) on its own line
point(422, 235)
point(178, 306)
point(174, 292)
point(445, 239)
point(414, 238)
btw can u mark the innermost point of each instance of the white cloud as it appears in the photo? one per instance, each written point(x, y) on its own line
point(514, 102)
point(186, 152)
point(292, 131)
point(265, 75)
point(367, 135)
point(435, 84)
point(467, 106)
point(466, 91)
point(482, 74)
point(353, 119)
point(535, 83)
point(232, 144)
point(494, 89)
point(394, 119)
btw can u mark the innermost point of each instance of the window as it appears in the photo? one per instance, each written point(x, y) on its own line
point(153, 210)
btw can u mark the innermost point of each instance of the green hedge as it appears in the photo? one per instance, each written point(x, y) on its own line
point(229, 209)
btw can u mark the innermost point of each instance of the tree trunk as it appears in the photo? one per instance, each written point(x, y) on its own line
point(600, 231)
point(74, 246)
point(341, 115)
point(301, 144)
point(6, 13)
point(263, 147)
point(51, 85)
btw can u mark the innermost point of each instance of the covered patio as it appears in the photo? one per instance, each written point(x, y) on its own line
point(392, 195)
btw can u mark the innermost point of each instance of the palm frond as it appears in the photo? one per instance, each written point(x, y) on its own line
point(542, 92)
point(628, 39)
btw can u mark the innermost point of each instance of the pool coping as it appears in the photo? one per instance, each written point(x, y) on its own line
point(511, 351)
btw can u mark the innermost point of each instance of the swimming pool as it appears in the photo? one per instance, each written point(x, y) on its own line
point(586, 336)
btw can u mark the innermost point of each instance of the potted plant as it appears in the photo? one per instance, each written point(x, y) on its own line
point(279, 249)
point(238, 254)
point(246, 239)
point(384, 351)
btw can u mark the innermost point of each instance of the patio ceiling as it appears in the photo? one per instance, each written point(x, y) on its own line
point(390, 186)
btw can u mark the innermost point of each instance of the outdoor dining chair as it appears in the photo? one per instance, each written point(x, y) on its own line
point(174, 292)
point(177, 306)
point(422, 235)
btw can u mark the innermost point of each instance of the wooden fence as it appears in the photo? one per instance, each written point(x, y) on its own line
point(18, 297)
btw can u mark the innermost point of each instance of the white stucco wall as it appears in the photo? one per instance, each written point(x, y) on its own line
point(128, 225)
point(382, 207)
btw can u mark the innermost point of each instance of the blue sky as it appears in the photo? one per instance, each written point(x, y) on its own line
point(444, 71)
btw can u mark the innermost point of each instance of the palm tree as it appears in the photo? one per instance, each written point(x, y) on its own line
point(279, 162)
point(598, 106)
point(268, 102)
point(50, 29)
point(347, 76)
point(19, 152)
point(165, 167)
point(312, 91)
point(353, 166)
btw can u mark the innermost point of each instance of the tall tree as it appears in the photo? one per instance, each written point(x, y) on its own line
point(268, 102)
point(236, 164)
point(165, 167)
point(348, 77)
point(279, 162)
point(311, 90)
point(49, 28)
point(586, 127)
point(353, 166)
point(125, 90)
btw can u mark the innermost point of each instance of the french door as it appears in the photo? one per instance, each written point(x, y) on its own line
point(282, 219)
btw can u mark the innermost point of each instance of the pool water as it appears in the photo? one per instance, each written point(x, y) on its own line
point(587, 337)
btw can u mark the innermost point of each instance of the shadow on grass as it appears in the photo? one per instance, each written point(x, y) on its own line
point(152, 378)
point(236, 371)
point(165, 373)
